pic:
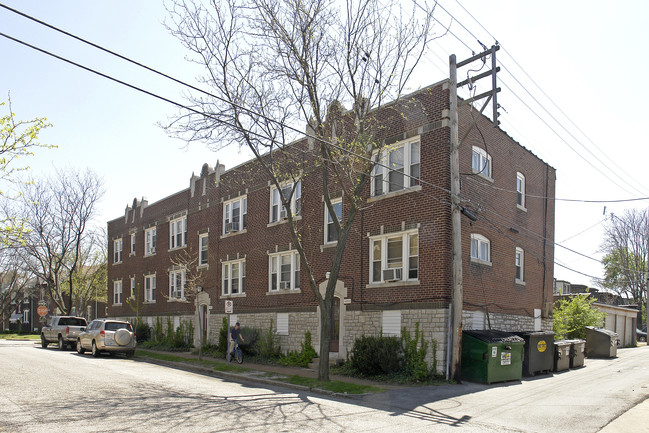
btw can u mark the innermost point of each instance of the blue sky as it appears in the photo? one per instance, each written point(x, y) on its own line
point(589, 57)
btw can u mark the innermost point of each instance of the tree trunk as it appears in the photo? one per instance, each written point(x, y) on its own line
point(325, 322)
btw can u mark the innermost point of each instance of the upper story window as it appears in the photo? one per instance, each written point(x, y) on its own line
point(480, 248)
point(177, 284)
point(397, 168)
point(132, 243)
point(284, 271)
point(149, 288)
point(235, 215)
point(395, 257)
point(117, 292)
point(132, 287)
point(277, 211)
point(234, 277)
point(117, 251)
point(520, 190)
point(520, 265)
point(149, 241)
point(481, 162)
point(203, 246)
point(331, 234)
point(178, 232)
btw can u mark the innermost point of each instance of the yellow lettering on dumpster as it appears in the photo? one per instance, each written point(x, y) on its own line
point(541, 346)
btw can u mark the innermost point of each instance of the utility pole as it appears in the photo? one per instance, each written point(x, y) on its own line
point(456, 208)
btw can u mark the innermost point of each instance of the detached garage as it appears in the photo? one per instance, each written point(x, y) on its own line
point(621, 320)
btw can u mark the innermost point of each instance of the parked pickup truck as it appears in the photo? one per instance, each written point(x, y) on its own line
point(63, 330)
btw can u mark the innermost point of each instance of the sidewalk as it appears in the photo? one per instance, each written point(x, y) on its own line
point(634, 420)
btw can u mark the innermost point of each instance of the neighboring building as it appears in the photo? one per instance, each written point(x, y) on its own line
point(396, 269)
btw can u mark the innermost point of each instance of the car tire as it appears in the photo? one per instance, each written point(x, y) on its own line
point(43, 341)
point(61, 343)
point(95, 351)
point(80, 349)
point(123, 337)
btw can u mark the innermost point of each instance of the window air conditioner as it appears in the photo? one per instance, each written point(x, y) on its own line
point(282, 214)
point(284, 285)
point(393, 274)
point(235, 226)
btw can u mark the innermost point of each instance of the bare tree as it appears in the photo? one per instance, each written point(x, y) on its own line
point(15, 283)
point(273, 65)
point(626, 244)
point(58, 212)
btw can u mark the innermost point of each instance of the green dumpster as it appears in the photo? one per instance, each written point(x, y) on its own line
point(492, 356)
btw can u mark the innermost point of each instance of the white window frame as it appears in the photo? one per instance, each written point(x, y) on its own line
point(328, 220)
point(25, 316)
point(275, 263)
point(277, 212)
point(282, 324)
point(380, 182)
point(117, 292)
point(520, 190)
point(117, 250)
point(150, 235)
point(178, 233)
point(519, 264)
point(132, 243)
point(391, 323)
point(132, 287)
point(229, 225)
point(149, 288)
point(379, 257)
point(174, 277)
point(203, 249)
point(481, 163)
point(229, 277)
point(478, 244)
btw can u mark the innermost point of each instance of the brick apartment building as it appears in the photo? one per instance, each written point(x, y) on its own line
point(397, 267)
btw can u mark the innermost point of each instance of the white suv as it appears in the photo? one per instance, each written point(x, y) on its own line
point(105, 335)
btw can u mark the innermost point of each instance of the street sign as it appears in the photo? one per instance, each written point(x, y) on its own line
point(229, 307)
point(42, 310)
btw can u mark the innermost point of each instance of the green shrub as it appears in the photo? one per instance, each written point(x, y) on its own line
point(268, 344)
point(572, 316)
point(142, 330)
point(373, 356)
point(222, 345)
point(301, 358)
point(414, 350)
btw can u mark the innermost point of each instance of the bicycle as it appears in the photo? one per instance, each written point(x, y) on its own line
point(236, 353)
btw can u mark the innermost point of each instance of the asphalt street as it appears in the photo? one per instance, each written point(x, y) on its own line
point(45, 390)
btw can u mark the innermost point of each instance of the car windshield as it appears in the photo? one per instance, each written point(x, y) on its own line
point(72, 321)
point(114, 326)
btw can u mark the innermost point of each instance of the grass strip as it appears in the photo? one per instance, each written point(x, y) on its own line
point(214, 365)
point(19, 337)
point(333, 385)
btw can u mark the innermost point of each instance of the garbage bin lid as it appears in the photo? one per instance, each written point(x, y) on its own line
point(493, 336)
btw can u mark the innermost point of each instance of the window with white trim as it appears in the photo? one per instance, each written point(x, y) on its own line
point(178, 232)
point(132, 243)
point(132, 287)
point(203, 248)
point(391, 323)
point(277, 211)
point(282, 324)
point(481, 162)
point(395, 257)
point(117, 251)
point(520, 190)
point(284, 271)
point(480, 248)
point(149, 288)
point(331, 234)
point(25, 316)
point(117, 292)
point(234, 277)
point(520, 265)
point(177, 284)
point(235, 215)
point(398, 168)
point(149, 241)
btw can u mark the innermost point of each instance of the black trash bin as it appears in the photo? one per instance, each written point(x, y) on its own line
point(539, 352)
point(577, 353)
point(600, 343)
point(561, 355)
point(491, 356)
